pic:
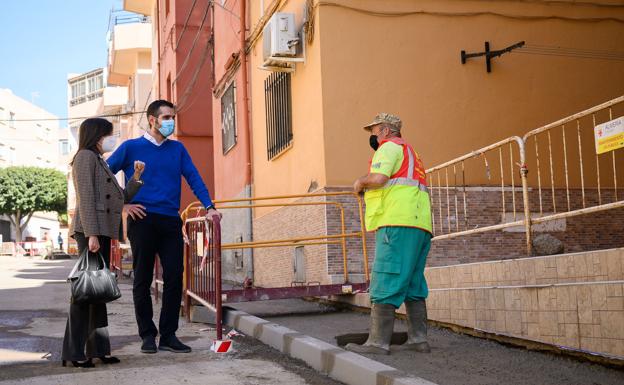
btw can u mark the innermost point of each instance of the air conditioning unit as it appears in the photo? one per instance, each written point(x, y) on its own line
point(280, 37)
point(282, 44)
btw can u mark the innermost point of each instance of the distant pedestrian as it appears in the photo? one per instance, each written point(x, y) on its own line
point(48, 244)
point(60, 241)
point(97, 220)
point(398, 210)
point(160, 231)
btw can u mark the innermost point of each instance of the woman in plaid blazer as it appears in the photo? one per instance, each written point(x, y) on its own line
point(97, 220)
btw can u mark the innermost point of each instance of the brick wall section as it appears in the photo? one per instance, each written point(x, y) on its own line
point(352, 225)
point(273, 267)
point(484, 208)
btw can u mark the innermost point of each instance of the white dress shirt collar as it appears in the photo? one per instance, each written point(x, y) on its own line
point(149, 137)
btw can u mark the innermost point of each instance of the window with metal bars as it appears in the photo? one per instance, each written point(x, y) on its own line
point(278, 113)
point(228, 119)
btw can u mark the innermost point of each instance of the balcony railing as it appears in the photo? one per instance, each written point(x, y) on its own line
point(123, 17)
point(86, 98)
point(129, 19)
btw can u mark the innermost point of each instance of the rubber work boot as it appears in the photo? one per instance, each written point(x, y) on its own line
point(382, 326)
point(416, 327)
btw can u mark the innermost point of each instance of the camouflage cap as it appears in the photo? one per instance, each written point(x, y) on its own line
point(384, 117)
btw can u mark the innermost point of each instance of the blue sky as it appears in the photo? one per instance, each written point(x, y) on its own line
point(43, 40)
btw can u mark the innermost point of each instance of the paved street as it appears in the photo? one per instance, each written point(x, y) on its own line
point(33, 303)
point(455, 359)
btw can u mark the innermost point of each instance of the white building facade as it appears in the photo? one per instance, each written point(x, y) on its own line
point(29, 136)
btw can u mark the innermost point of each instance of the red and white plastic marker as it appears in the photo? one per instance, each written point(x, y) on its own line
point(221, 346)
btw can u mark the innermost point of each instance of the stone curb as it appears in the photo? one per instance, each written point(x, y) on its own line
point(337, 363)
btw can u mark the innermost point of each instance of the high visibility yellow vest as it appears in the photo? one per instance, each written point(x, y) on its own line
point(404, 199)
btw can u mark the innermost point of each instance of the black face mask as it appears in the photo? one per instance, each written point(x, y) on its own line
point(374, 143)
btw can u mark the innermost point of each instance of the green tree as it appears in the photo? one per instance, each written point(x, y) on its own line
point(25, 190)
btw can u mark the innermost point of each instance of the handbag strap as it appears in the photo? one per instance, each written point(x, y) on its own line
point(74, 269)
point(102, 260)
point(84, 257)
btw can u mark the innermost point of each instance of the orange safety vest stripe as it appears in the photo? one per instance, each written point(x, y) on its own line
point(411, 162)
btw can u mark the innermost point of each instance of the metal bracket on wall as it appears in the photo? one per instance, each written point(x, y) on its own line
point(489, 54)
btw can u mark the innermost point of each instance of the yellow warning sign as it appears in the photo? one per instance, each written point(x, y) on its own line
point(609, 136)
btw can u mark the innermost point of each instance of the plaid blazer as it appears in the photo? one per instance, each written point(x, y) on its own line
point(99, 198)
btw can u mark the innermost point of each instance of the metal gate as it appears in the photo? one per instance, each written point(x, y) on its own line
point(203, 262)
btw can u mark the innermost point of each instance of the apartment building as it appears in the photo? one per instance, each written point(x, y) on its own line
point(89, 96)
point(129, 70)
point(29, 136)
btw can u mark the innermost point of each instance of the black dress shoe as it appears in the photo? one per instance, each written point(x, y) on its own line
point(173, 344)
point(109, 360)
point(149, 345)
point(78, 364)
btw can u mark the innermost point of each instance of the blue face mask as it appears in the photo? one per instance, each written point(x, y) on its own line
point(167, 127)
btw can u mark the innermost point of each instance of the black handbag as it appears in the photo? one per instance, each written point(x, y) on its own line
point(91, 281)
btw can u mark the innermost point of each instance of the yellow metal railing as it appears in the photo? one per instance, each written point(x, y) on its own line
point(565, 145)
point(454, 193)
point(576, 139)
point(195, 209)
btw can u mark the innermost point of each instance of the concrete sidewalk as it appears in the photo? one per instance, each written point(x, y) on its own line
point(33, 306)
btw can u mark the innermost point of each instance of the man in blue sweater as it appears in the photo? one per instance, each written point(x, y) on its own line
point(158, 229)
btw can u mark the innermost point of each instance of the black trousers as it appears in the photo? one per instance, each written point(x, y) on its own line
point(86, 324)
point(162, 235)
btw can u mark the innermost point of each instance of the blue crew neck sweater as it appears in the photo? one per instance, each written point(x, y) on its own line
point(164, 167)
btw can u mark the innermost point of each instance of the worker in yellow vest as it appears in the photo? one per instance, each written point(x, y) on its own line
point(399, 211)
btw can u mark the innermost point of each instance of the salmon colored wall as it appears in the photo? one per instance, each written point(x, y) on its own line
point(199, 148)
point(192, 97)
point(231, 168)
point(304, 163)
point(411, 66)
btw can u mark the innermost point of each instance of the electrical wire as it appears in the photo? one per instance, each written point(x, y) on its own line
point(193, 98)
point(259, 28)
point(227, 10)
point(479, 13)
point(570, 52)
point(565, 3)
point(230, 19)
point(190, 53)
point(188, 17)
point(250, 43)
point(181, 105)
point(73, 118)
point(145, 107)
point(308, 26)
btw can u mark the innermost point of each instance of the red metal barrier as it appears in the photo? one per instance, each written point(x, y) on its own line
point(115, 258)
point(33, 248)
point(158, 279)
point(202, 267)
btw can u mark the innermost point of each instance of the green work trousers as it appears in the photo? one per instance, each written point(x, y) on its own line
point(399, 268)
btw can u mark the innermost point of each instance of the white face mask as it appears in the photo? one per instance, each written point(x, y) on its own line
point(109, 143)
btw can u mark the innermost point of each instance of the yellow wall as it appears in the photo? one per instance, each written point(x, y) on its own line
point(360, 64)
point(294, 170)
point(411, 66)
